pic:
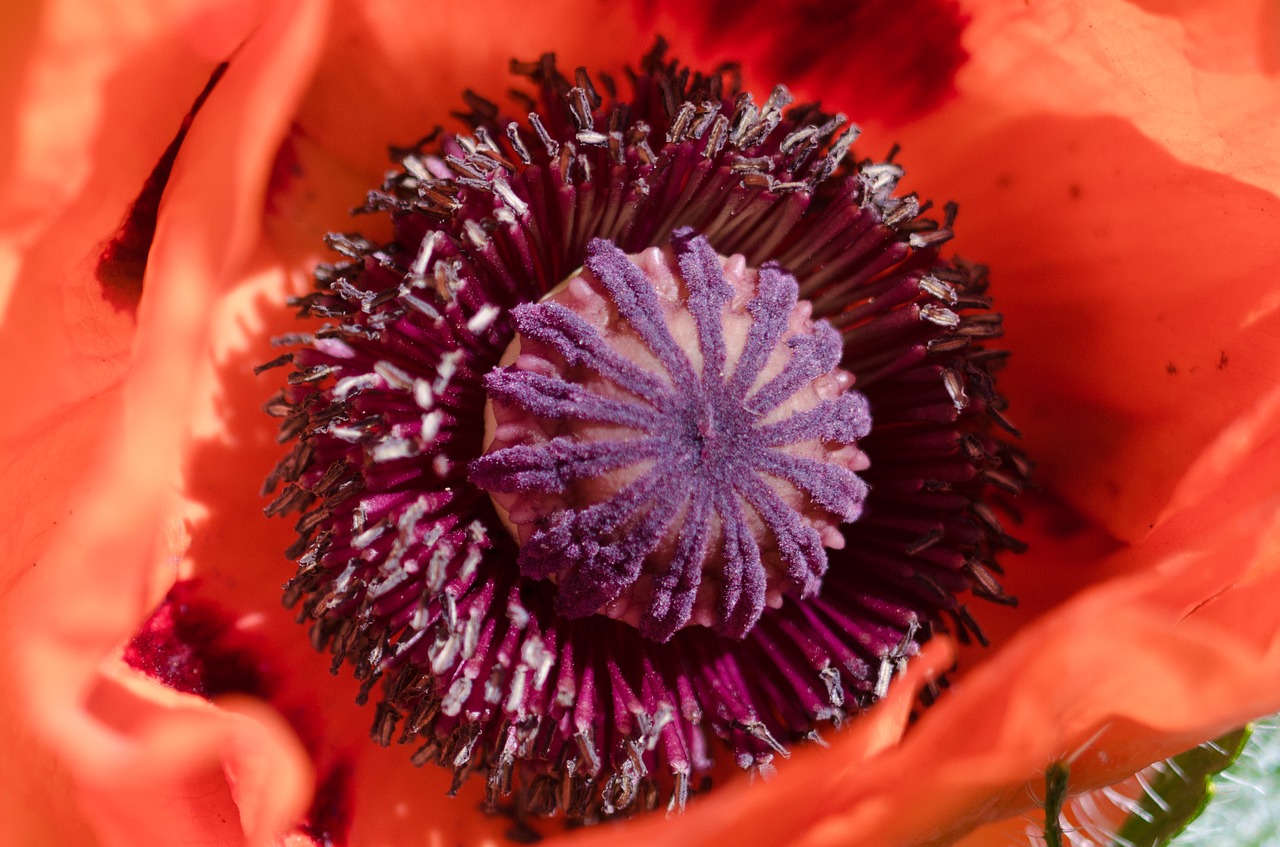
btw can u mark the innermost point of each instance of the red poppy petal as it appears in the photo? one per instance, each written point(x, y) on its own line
point(1201, 79)
point(1140, 295)
point(68, 174)
point(89, 121)
point(184, 771)
point(1124, 199)
point(107, 539)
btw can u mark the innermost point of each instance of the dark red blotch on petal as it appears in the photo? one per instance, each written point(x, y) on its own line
point(124, 259)
point(196, 645)
point(192, 644)
point(328, 821)
point(884, 60)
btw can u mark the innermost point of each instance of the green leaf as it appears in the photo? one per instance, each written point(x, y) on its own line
point(1244, 811)
point(1180, 791)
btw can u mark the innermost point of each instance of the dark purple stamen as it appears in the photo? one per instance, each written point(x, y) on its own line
point(630, 419)
point(705, 435)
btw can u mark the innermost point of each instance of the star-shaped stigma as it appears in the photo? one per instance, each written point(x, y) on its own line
point(673, 441)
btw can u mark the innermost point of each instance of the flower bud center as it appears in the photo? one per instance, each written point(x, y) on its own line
point(670, 440)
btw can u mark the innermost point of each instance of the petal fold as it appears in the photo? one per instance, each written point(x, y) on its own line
point(104, 468)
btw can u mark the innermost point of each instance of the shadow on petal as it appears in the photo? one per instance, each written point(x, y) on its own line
point(1140, 293)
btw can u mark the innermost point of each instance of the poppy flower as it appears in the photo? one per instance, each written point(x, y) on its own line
point(1114, 167)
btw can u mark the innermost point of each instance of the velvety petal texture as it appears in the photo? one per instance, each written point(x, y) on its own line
point(1115, 166)
point(91, 455)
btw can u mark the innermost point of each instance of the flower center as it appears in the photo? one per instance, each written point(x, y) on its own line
point(671, 441)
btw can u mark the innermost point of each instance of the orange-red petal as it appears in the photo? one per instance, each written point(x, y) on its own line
point(104, 425)
point(1099, 172)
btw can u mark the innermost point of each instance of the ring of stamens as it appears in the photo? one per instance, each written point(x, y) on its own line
point(405, 571)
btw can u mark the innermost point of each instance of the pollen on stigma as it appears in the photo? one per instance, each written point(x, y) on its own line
point(671, 439)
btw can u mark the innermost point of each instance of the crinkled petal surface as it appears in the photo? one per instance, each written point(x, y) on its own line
point(1115, 166)
point(1146, 300)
